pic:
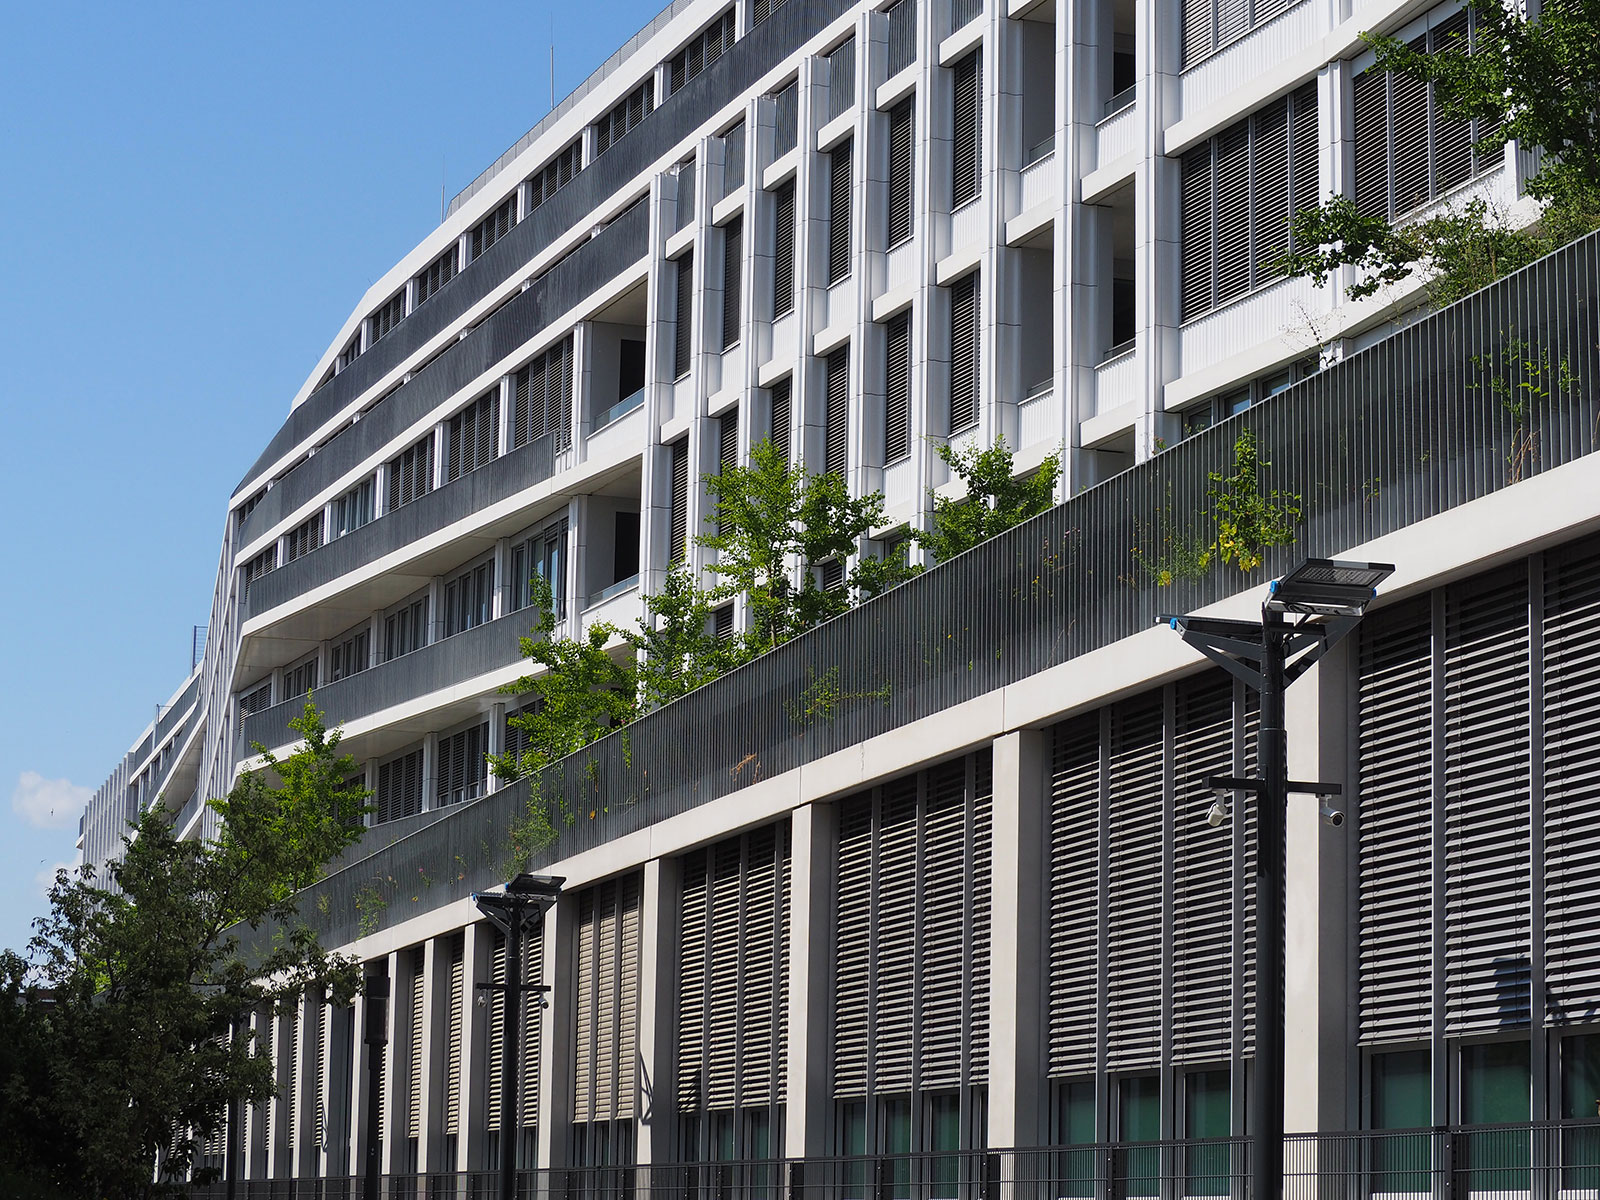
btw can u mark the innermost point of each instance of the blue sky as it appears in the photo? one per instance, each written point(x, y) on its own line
point(194, 197)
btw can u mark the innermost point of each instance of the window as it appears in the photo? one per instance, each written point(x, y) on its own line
point(303, 538)
point(399, 790)
point(722, 623)
point(406, 629)
point(1400, 1096)
point(705, 49)
point(781, 416)
point(1206, 1115)
point(541, 555)
point(966, 163)
point(555, 175)
point(678, 529)
point(463, 765)
point(732, 256)
point(242, 513)
point(494, 226)
point(472, 436)
point(352, 510)
point(727, 448)
point(762, 9)
point(836, 416)
point(1407, 151)
point(839, 196)
point(830, 574)
point(258, 566)
point(348, 656)
point(1209, 25)
point(783, 250)
point(1238, 190)
point(410, 474)
point(256, 699)
point(1220, 407)
point(897, 388)
point(542, 398)
point(624, 115)
point(437, 273)
point(387, 317)
point(964, 353)
point(469, 598)
point(300, 679)
point(902, 156)
point(684, 314)
point(351, 351)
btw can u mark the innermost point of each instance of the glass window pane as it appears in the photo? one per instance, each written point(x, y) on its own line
point(1139, 1120)
point(1075, 1126)
point(1206, 1115)
point(1496, 1087)
point(1401, 1098)
point(1580, 1097)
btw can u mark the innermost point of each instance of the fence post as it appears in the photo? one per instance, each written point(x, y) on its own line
point(796, 1178)
point(1109, 1163)
point(1447, 1165)
point(991, 1176)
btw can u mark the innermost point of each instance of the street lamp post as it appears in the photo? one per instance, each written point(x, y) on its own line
point(1329, 597)
point(376, 1035)
point(514, 911)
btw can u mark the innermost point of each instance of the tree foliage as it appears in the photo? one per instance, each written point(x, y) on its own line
point(1537, 81)
point(117, 1051)
point(995, 499)
point(772, 523)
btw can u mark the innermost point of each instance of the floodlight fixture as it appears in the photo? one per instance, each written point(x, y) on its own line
point(1327, 587)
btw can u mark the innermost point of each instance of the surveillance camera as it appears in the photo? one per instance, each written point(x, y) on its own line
point(1217, 814)
point(483, 999)
point(1331, 816)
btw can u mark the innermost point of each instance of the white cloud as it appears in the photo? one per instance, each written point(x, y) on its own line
point(48, 803)
point(45, 878)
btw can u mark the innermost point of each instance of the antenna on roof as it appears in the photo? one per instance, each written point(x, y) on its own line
point(552, 62)
point(441, 189)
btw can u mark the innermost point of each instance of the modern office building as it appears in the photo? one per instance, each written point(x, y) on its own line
point(938, 874)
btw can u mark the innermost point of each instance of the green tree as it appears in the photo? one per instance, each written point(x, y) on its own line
point(995, 499)
point(118, 1053)
point(769, 515)
point(1536, 80)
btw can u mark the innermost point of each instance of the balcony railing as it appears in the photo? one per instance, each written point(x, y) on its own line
point(1409, 428)
point(1535, 1161)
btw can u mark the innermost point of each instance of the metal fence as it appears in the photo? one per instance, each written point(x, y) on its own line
point(1493, 390)
point(1537, 1161)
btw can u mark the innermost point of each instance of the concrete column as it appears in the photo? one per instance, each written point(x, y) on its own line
point(1018, 907)
point(356, 1116)
point(394, 1114)
point(256, 1144)
point(1316, 1012)
point(813, 859)
point(555, 1066)
point(477, 959)
point(435, 1051)
point(658, 986)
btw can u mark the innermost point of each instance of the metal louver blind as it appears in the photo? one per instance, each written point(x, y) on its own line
point(967, 154)
point(319, 1072)
point(415, 1031)
point(764, 965)
point(1370, 91)
point(781, 416)
point(1395, 834)
point(1075, 878)
point(678, 526)
point(964, 353)
point(493, 1074)
point(399, 790)
point(897, 388)
point(1135, 926)
point(411, 473)
point(289, 1135)
point(1488, 805)
point(894, 952)
point(692, 990)
point(1269, 217)
point(732, 257)
point(911, 1004)
point(532, 1029)
point(1198, 236)
point(472, 435)
point(841, 77)
point(852, 967)
point(683, 320)
point(454, 1037)
point(608, 1000)
point(902, 34)
point(940, 978)
point(836, 418)
point(542, 398)
point(902, 133)
point(839, 197)
point(1409, 139)
point(728, 440)
point(783, 250)
point(722, 983)
point(1572, 782)
point(1232, 200)
point(1199, 37)
point(1202, 875)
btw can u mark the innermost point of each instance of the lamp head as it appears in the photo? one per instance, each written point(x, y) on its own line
point(1328, 588)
